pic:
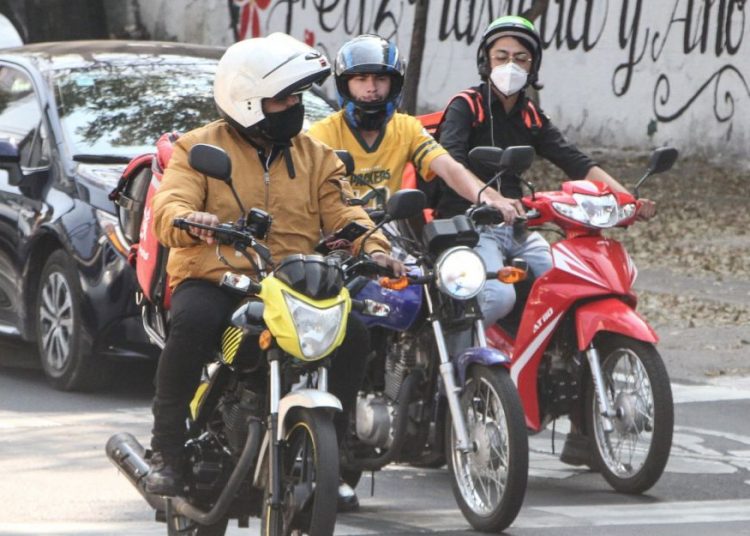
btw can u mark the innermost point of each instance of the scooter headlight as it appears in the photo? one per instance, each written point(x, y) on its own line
point(317, 329)
point(600, 211)
point(460, 273)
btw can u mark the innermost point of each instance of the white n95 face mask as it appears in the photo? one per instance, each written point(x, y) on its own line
point(509, 79)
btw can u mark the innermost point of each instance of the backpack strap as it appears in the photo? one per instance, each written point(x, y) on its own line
point(474, 99)
point(531, 117)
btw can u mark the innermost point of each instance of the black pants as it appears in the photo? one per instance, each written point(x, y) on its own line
point(200, 311)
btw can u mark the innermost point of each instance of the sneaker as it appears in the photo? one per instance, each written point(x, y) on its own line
point(165, 476)
point(577, 450)
point(347, 500)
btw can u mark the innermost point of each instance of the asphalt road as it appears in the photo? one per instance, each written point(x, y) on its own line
point(56, 479)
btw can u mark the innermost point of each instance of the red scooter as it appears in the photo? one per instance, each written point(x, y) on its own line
point(578, 346)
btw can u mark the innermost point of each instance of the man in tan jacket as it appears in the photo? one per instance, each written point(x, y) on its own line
point(294, 178)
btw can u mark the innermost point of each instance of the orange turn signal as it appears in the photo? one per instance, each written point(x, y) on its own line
point(398, 283)
point(265, 340)
point(511, 274)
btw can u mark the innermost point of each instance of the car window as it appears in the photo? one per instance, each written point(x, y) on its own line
point(21, 118)
point(121, 109)
point(316, 108)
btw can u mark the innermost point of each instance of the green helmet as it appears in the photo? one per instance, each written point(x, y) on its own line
point(512, 26)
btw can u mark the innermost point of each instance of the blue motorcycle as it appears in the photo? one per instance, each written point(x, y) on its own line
point(434, 391)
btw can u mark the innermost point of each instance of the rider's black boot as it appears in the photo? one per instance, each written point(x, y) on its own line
point(577, 450)
point(165, 476)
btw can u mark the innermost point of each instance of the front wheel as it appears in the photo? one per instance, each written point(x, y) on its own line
point(489, 482)
point(309, 478)
point(633, 455)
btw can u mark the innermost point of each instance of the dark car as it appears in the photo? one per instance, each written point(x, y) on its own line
point(72, 114)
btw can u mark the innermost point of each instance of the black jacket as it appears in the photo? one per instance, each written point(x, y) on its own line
point(458, 136)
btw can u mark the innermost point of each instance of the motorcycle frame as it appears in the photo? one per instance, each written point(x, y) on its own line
point(592, 278)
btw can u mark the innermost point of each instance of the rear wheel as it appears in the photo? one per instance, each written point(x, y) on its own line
point(633, 455)
point(64, 346)
point(489, 482)
point(309, 478)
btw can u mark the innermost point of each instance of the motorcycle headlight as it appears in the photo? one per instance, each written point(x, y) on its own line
point(317, 329)
point(600, 211)
point(460, 273)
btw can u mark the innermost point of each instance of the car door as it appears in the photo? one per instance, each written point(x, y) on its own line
point(21, 207)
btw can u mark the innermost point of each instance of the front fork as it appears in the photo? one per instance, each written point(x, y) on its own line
point(447, 372)
point(605, 408)
point(275, 431)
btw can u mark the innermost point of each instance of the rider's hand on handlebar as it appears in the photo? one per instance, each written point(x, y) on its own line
point(510, 208)
point(203, 218)
point(646, 210)
point(387, 261)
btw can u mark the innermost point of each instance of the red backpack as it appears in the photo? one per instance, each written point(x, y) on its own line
point(133, 197)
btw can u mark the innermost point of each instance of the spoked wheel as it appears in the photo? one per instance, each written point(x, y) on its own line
point(633, 455)
point(309, 478)
point(489, 482)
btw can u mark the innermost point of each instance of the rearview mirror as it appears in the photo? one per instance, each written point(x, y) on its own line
point(212, 161)
point(348, 160)
point(10, 161)
point(662, 159)
point(517, 159)
point(486, 158)
point(405, 204)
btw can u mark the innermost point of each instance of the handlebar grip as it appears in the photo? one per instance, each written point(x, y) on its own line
point(181, 223)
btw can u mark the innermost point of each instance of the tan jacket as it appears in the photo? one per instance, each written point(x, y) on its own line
point(300, 207)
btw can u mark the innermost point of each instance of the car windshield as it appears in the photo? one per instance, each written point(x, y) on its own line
point(121, 109)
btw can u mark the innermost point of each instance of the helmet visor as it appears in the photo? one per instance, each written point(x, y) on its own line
point(368, 57)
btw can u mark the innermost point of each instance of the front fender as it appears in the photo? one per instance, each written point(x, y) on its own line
point(481, 356)
point(613, 315)
point(305, 398)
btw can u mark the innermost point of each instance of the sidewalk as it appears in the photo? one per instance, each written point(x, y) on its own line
point(703, 323)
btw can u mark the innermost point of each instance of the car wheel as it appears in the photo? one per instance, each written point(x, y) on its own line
point(64, 346)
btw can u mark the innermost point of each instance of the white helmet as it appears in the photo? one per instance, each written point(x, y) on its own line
point(262, 68)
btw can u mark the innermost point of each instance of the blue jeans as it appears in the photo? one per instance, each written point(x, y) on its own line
point(496, 244)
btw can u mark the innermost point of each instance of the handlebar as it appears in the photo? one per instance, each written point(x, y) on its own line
point(227, 234)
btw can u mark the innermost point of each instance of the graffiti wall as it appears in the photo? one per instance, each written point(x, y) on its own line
point(624, 73)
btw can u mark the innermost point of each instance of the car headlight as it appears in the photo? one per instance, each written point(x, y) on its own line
point(460, 273)
point(600, 211)
point(317, 329)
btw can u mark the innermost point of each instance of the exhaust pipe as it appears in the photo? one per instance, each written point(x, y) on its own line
point(127, 454)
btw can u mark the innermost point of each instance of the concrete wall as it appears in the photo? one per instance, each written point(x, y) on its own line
point(621, 73)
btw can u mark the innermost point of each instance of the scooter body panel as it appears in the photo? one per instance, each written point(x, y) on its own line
point(586, 269)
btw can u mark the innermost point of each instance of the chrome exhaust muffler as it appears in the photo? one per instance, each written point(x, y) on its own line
point(129, 456)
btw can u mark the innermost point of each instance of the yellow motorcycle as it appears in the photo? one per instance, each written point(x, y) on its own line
point(274, 454)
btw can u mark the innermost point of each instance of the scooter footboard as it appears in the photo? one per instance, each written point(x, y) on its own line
point(613, 315)
point(481, 356)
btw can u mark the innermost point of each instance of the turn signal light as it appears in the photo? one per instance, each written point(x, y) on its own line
point(265, 340)
point(397, 283)
point(511, 274)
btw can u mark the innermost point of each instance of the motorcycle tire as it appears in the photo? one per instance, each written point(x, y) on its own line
point(633, 456)
point(497, 428)
point(309, 461)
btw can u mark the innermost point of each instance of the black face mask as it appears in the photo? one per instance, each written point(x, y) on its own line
point(280, 127)
point(370, 119)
